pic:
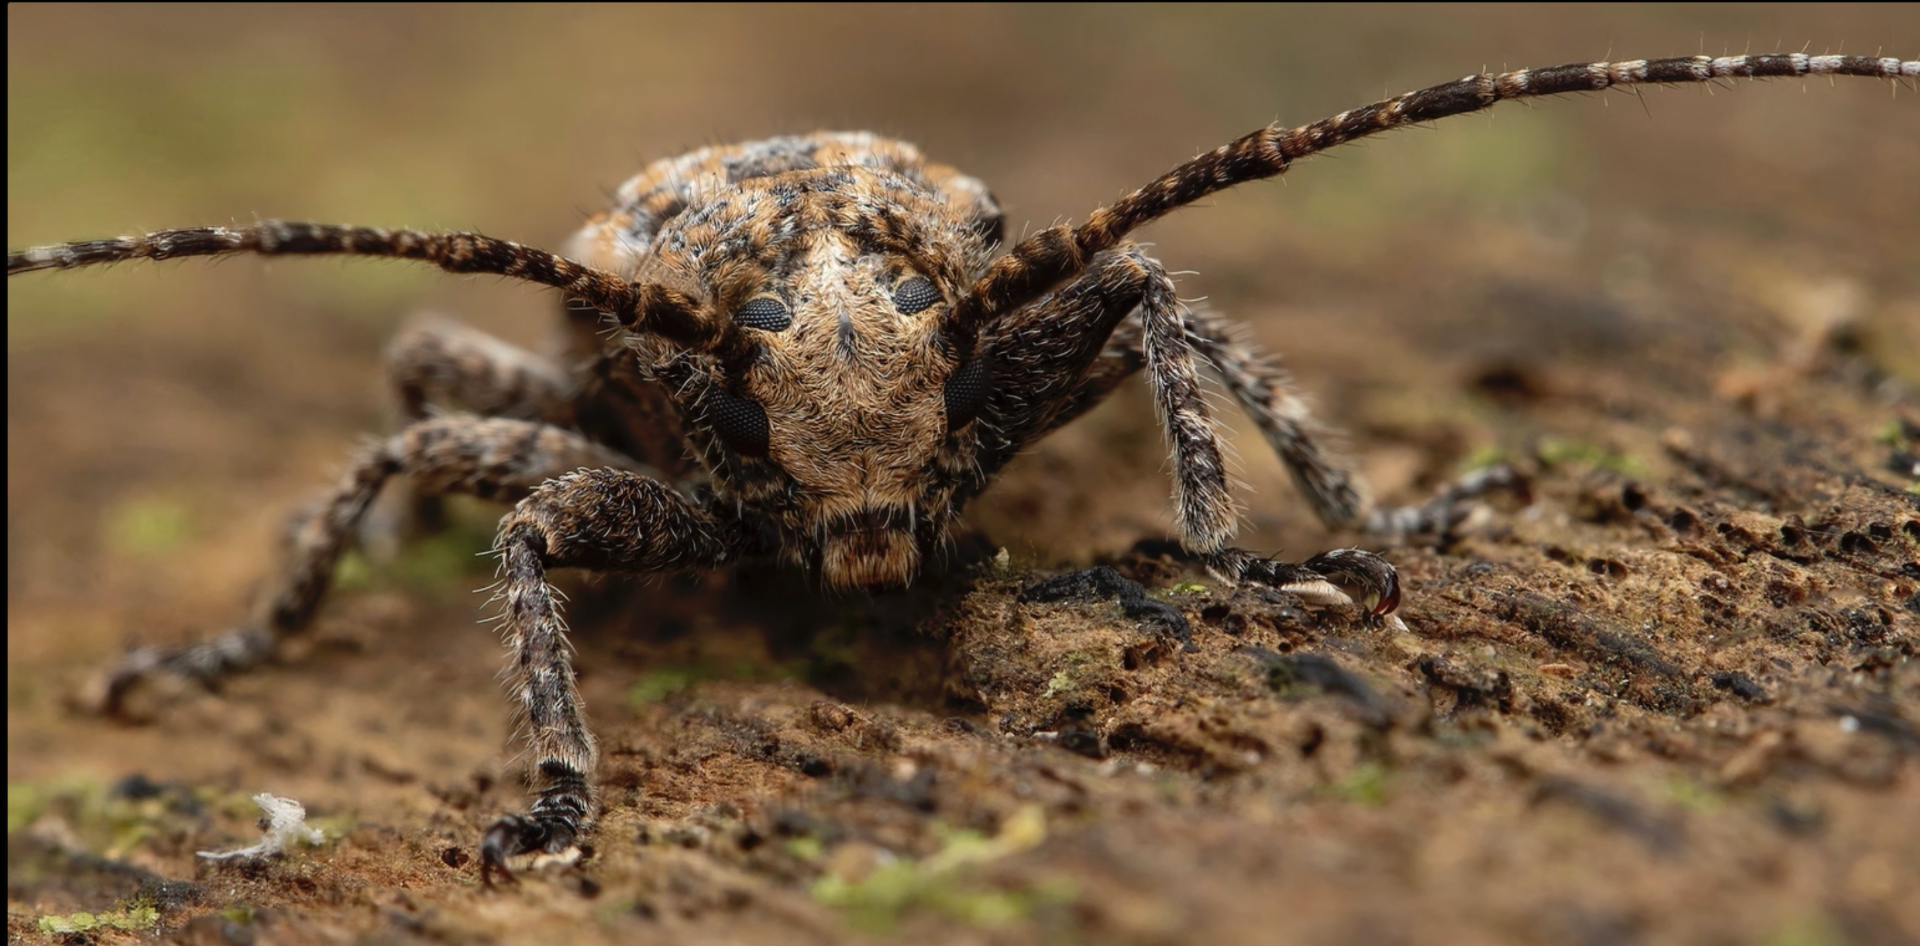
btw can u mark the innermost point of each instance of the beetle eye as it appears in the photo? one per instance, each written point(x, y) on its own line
point(764, 312)
point(967, 391)
point(739, 422)
point(914, 295)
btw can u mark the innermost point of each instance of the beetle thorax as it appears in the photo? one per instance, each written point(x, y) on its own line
point(853, 396)
point(831, 418)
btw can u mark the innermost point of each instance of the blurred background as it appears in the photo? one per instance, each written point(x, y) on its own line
point(1591, 287)
point(1634, 250)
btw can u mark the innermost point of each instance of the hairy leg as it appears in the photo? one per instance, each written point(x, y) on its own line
point(1264, 391)
point(1043, 355)
point(1059, 357)
point(606, 520)
point(594, 385)
point(1338, 496)
point(441, 361)
point(500, 460)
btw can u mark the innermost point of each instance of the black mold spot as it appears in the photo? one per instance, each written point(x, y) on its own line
point(1742, 686)
point(1082, 741)
point(1102, 583)
point(1285, 671)
point(1481, 687)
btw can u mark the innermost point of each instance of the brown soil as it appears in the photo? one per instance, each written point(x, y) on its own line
point(1672, 701)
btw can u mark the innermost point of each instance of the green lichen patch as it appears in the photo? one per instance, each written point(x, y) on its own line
point(944, 882)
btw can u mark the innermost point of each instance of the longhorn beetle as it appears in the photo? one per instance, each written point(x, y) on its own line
point(809, 349)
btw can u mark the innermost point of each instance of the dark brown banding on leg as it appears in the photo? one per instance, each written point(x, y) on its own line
point(1050, 375)
point(437, 361)
point(606, 520)
point(1337, 495)
point(500, 460)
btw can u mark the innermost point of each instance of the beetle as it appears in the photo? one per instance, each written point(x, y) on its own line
point(814, 349)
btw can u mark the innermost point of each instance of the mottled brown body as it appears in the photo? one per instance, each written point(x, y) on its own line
point(806, 349)
point(823, 231)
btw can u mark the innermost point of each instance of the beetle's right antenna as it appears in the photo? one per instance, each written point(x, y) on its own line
point(1041, 261)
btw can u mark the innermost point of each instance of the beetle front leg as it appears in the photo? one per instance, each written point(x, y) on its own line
point(604, 520)
point(1065, 353)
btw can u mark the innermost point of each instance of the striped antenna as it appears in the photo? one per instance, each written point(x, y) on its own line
point(640, 307)
point(1041, 261)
